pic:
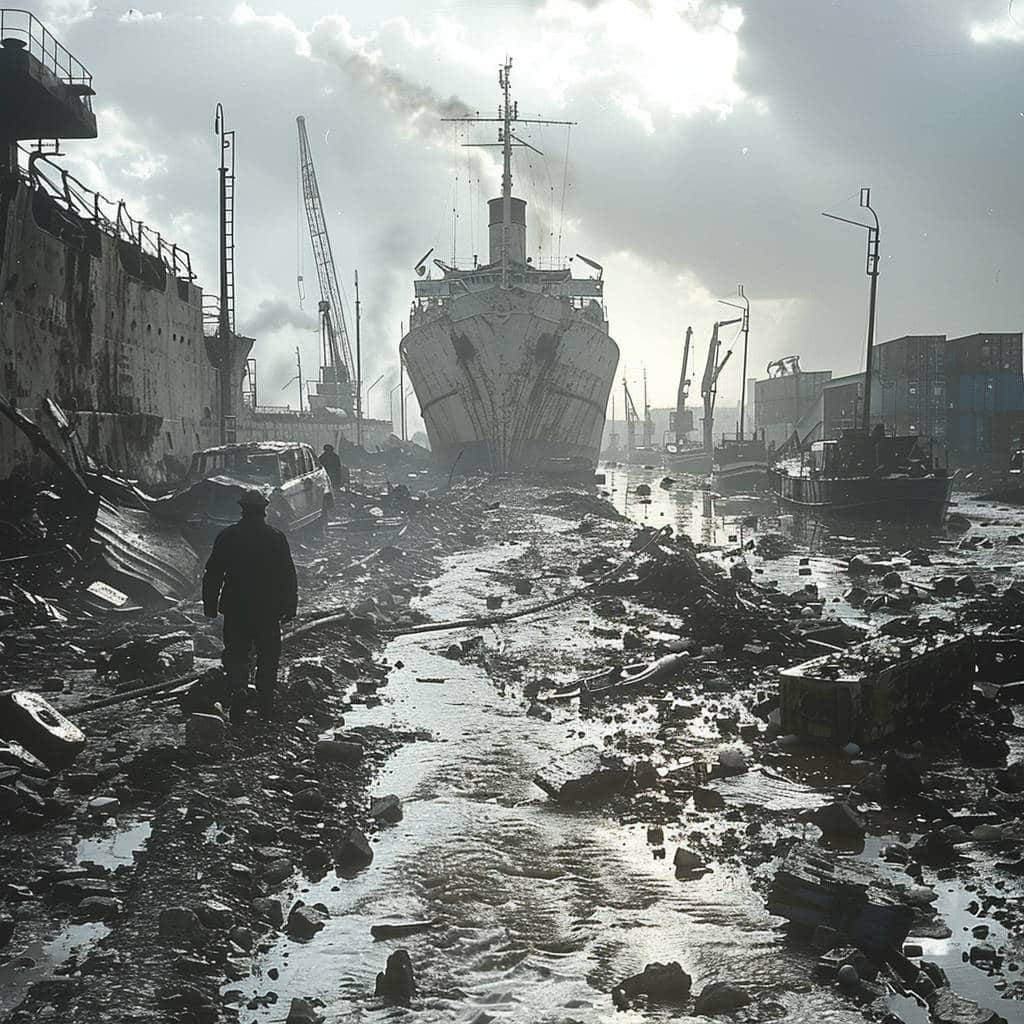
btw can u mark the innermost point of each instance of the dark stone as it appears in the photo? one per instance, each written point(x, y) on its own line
point(215, 915)
point(6, 929)
point(353, 853)
point(664, 983)
point(397, 983)
point(338, 752)
point(309, 800)
point(304, 922)
point(839, 821)
point(719, 997)
point(386, 808)
point(269, 909)
point(705, 799)
point(98, 908)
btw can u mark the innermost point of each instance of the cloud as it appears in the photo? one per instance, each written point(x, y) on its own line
point(63, 13)
point(273, 314)
point(133, 16)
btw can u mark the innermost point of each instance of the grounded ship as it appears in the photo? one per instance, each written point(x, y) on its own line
point(865, 476)
point(101, 319)
point(512, 365)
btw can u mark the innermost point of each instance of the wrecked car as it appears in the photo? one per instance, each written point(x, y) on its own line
point(299, 490)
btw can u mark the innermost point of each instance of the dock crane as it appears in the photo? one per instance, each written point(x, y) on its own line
point(709, 383)
point(682, 422)
point(632, 419)
point(335, 390)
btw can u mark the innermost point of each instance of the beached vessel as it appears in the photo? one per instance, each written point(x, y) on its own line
point(862, 476)
point(511, 364)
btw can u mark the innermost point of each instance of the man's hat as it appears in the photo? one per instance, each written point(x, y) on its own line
point(328, 447)
point(253, 499)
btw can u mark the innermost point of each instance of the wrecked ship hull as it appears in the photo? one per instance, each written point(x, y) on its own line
point(101, 327)
point(511, 381)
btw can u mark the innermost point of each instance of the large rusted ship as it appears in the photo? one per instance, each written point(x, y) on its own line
point(512, 364)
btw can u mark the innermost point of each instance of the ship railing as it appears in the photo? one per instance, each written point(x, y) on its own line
point(56, 58)
point(109, 216)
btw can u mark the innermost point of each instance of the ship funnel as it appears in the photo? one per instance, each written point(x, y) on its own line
point(516, 230)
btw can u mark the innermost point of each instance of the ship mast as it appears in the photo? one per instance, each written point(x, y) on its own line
point(508, 115)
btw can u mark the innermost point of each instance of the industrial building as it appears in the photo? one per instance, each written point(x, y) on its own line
point(966, 393)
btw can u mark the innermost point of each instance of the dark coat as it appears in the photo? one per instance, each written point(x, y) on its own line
point(250, 572)
point(332, 465)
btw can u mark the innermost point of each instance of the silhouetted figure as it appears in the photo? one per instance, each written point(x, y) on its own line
point(332, 464)
point(250, 580)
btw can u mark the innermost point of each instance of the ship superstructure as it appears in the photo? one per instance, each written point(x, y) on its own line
point(512, 364)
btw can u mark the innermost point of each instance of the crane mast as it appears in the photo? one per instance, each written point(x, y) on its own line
point(709, 383)
point(683, 422)
point(632, 417)
point(336, 351)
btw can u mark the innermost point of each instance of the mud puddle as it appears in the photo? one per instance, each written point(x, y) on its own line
point(539, 911)
point(41, 959)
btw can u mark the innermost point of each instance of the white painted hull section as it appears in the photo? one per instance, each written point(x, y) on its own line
point(514, 380)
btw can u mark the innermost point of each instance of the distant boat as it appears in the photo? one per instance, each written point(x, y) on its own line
point(862, 476)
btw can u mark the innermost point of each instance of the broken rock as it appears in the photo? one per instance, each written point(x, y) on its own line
point(667, 983)
point(720, 997)
point(397, 983)
point(387, 808)
point(582, 774)
point(304, 922)
point(205, 732)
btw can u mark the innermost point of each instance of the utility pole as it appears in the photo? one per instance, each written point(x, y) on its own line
point(871, 269)
point(359, 374)
point(401, 379)
point(745, 330)
point(225, 327)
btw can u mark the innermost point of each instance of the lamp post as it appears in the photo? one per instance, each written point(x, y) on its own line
point(392, 399)
point(871, 269)
point(745, 329)
point(368, 392)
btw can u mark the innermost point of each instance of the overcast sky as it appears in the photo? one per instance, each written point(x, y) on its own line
point(709, 139)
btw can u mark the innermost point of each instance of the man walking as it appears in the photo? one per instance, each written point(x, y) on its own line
point(250, 579)
point(331, 464)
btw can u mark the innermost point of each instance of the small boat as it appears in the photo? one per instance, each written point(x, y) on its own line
point(865, 476)
point(740, 465)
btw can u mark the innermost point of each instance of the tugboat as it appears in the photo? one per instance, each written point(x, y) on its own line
point(681, 454)
point(740, 463)
point(865, 476)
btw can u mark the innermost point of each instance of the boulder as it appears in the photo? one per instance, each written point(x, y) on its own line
point(205, 732)
point(397, 982)
point(180, 923)
point(304, 922)
point(98, 908)
point(277, 870)
point(720, 997)
point(353, 853)
point(581, 774)
point(839, 821)
point(338, 752)
point(212, 914)
point(663, 983)
point(310, 799)
point(687, 863)
point(386, 808)
point(269, 909)
point(848, 978)
point(302, 1011)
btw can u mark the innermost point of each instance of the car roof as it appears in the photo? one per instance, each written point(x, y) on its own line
point(267, 447)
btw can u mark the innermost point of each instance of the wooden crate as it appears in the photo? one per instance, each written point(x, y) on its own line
point(866, 706)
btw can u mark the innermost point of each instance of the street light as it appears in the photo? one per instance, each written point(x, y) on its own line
point(745, 329)
point(871, 269)
point(368, 390)
point(393, 390)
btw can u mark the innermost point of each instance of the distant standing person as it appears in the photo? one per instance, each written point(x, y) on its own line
point(332, 465)
point(250, 579)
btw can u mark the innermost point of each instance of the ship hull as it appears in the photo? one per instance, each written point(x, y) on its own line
point(695, 463)
point(910, 500)
point(741, 477)
point(511, 381)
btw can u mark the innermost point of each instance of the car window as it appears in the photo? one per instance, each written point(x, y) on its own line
point(257, 467)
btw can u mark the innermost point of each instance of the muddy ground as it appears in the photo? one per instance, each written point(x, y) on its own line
point(162, 906)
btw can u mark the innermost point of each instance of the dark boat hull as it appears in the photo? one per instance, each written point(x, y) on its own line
point(742, 478)
point(894, 499)
point(696, 463)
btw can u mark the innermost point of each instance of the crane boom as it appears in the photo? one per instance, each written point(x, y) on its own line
point(683, 422)
point(338, 357)
point(709, 383)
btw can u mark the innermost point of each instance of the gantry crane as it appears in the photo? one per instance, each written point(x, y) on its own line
point(632, 418)
point(709, 384)
point(336, 351)
point(682, 422)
